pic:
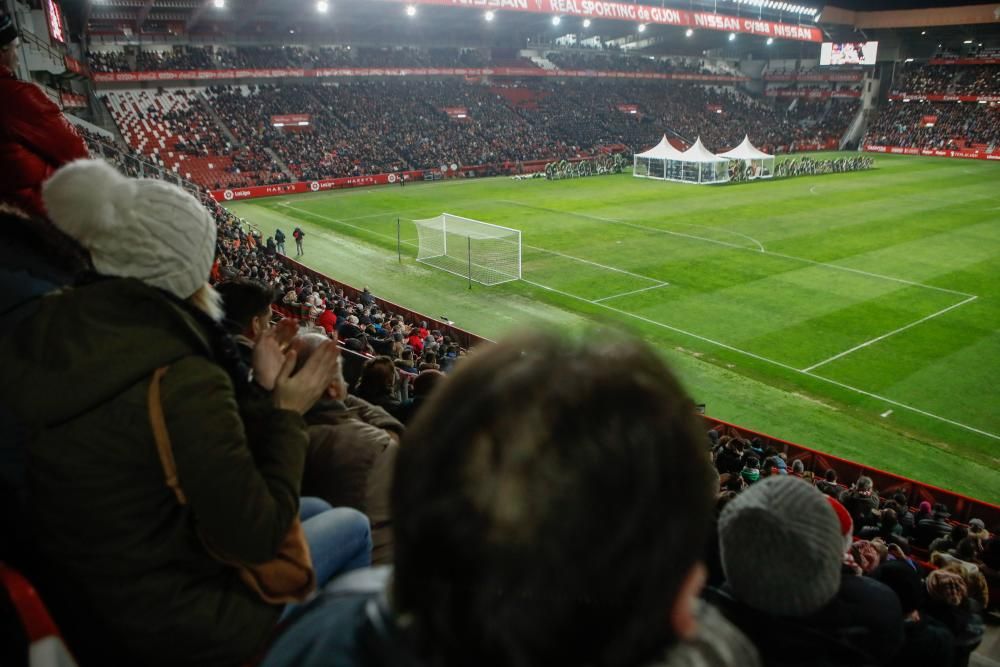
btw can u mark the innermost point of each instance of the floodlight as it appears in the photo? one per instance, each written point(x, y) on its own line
point(556, 20)
point(642, 27)
point(586, 23)
point(219, 4)
point(770, 41)
point(688, 32)
point(411, 11)
point(322, 6)
point(732, 37)
point(489, 16)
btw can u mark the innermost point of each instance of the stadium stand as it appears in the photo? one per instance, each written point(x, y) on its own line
point(923, 78)
point(811, 559)
point(381, 127)
point(935, 125)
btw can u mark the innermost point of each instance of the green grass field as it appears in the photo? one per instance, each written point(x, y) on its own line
point(854, 313)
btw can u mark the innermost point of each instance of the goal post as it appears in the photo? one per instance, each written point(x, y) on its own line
point(479, 251)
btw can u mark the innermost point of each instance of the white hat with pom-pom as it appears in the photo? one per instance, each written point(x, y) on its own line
point(133, 228)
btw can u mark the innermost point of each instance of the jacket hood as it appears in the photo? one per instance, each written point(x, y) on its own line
point(85, 345)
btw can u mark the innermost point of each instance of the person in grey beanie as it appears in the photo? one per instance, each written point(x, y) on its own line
point(781, 550)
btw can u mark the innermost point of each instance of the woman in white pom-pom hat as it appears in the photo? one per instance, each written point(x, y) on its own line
point(128, 377)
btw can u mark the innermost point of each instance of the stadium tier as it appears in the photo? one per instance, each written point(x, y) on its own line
point(499, 333)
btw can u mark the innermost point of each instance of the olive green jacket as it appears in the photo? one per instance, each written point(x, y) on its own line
point(77, 373)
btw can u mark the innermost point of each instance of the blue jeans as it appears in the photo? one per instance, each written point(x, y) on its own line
point(340, 540)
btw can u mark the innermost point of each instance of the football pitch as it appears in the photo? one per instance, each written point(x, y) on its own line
point(854, 313)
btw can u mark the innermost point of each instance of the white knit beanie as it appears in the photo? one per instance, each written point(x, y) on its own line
point(781, 547)
point(133, 228)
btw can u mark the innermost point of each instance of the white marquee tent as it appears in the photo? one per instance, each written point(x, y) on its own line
point(759, 163)
point(662, 161)
point(695, 165)
point(703, 166)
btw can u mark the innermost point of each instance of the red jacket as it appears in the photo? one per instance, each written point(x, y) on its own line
point(327, 320)
point(35, 140)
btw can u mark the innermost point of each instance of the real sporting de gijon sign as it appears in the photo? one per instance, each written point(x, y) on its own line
point(622, 11)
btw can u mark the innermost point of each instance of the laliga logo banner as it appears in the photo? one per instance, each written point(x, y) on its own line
point(314, 186)
point(392, 178)
point(228, 195)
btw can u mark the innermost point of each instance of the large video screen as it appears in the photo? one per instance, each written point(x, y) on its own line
point(849, 53)
point(57, 28)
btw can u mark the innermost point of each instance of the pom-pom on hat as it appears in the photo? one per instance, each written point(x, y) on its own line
point(781, 547)
point(133, 228)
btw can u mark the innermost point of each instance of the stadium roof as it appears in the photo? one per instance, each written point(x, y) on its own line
point(438, 23)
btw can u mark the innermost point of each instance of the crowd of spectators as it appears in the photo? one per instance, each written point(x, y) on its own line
point(926, 79)
point(941, 125)
point(271, 57)
point(368, 127)
point(575, 60)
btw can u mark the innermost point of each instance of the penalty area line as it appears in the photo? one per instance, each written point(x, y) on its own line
point(891, 333)
point(773, 362)
point(635, 291)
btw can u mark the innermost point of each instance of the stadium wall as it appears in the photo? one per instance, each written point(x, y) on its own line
point(968, 154)
point(962, 507)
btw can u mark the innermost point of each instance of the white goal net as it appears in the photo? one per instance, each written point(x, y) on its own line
point(484, 253)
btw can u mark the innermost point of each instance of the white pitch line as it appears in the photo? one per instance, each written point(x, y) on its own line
point(856, 390)
point(886, 335)
point(635, 291)
point(885, 414)
point(804, 260)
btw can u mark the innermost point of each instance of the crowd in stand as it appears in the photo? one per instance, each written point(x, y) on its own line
point(941, 125)
point(270, 57)
point(368, 127)
point(926, 79)
point(574, 60)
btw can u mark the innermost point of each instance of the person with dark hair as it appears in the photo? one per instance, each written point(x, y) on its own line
point(35, 137)
point(298, 235)
point(279, 240)
point(555, 504)
point(905, 516)
point(247, 304)
point(862, 502)
point(380, 384)
point(828, 485)
point(152, 472)
point(934, 526)
point(948, 542)
point(425, 382)
point(927, 642)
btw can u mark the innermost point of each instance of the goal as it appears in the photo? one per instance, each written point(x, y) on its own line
point(481, 252)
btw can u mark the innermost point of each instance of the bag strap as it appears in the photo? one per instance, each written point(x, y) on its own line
point(162, 436)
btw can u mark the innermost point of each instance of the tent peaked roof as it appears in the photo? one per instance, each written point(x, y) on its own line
point(662, 151)
point(698, 153)
point(745, 151)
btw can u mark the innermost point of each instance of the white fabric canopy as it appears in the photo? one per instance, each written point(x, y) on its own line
point(698, 153)
point(746, 151)
point(662, 151)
